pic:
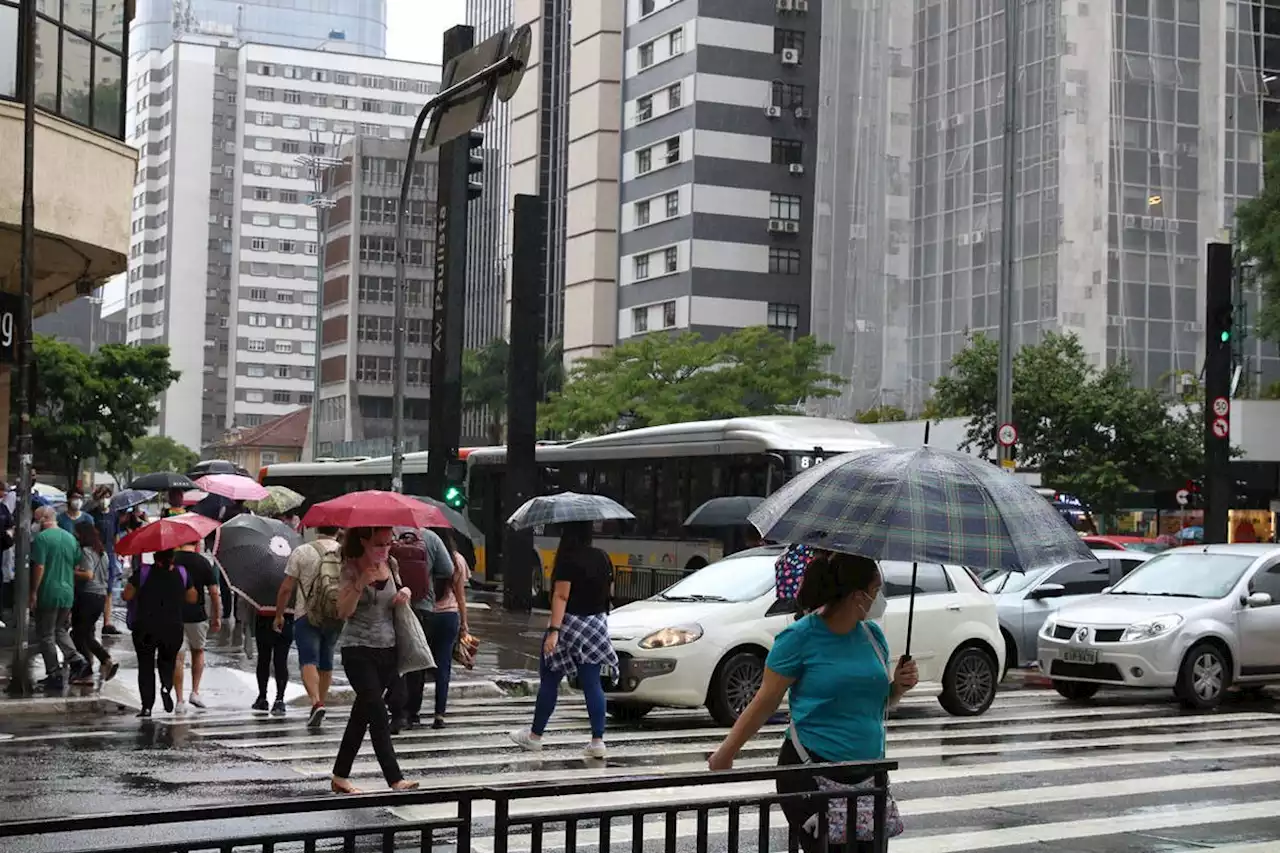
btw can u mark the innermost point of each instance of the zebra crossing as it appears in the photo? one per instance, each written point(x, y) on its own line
point(1129, 772)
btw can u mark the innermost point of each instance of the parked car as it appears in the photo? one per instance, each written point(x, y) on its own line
point(704, 640)
point(1125, 543)
point(1025, 600)
point(1196, 620)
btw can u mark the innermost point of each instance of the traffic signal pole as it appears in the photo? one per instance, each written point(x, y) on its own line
point(1218, 326)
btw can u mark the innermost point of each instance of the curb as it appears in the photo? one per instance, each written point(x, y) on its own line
point(60, 705)
point(499, 688)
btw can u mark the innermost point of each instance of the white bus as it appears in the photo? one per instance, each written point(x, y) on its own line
point(659, 473)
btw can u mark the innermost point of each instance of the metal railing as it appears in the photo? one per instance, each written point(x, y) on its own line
point(636, 583)
point(731, 818)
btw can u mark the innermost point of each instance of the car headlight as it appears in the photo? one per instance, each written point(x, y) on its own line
point(680, 635)
point(1050, 625)
point(1150, 628)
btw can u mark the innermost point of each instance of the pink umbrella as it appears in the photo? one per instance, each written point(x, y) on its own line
point(233, 487)
point(192, 497)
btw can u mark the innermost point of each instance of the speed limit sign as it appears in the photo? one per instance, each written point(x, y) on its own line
point(1221, 406)
point(1007, 435)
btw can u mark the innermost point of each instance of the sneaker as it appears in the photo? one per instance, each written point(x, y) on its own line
point(166, 699)
point(145, 713)
point(278, 709)
point(524, 738)
point(261, 705)
point(196, 701)
point(179, 707)
point(437, 723)
point(111, 631)
point(317, 716)
point(53, 684)
point(109, 670)
point(595, 749)
point(84, 679)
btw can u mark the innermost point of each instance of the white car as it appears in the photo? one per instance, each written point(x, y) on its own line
point(704, 640)
point(1196, 620)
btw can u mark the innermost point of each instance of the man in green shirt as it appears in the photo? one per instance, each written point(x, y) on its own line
point(54, 556)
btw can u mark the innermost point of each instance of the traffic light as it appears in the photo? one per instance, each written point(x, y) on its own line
point(1223, 324)
point(455, 489)
point(475, 164)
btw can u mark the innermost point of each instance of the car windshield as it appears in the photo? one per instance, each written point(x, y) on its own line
point(1007, 581)
point(734, 579)
point(1147, 547)
point(1185, 573)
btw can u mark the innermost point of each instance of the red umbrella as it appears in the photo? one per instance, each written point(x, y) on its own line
point(374, 509)
point(167, 534)
point(233, 487)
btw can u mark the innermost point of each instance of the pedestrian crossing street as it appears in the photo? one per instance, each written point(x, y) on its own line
point(1129, 772)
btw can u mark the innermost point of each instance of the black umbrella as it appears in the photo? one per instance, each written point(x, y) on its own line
point(253, 552)
point(130, 498)
point(215, 466)
point(217, 507)
point(724, 512)
point(162, 481)
point(457, 521)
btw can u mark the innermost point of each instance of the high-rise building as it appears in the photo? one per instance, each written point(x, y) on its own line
point(340, 26)
point(718, 158)
point(84, 323)
point(358, 332)
point(223, 214)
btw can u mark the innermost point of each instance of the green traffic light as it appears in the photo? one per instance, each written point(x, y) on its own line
point(1225, 336)
point(454, 497)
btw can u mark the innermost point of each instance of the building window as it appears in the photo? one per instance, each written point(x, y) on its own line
point(668, 315)
point(788, 40)
point(641, 267)
point(281, 397)
point(291, 122)
point(269, 457)
point(784, 261)
point(265, 93)
point(263, 119)
point(284, 295)
point(673, 96)
point(787, 95)
point(288, 196)
point(673, 150)
point(644, 161)
point(647, 7)
point(642, 212)
point(261, 194)
point(258, 244)
point(284, 321)
point(373, 368)
point(418, 332)
point(282, 371)
point(256, 345)
point(288, 246)
point(645, 55)
point(284, 346)
point(639, 320)
point(258, 294)
point(784, 152)
point(675, 41)
point(673, 205)
point(304, 399)
point(644, 108)
point(671, 259)
point(375, 329)
point(292, 97)
point(256, 319)
point(254, 396)
point(255, 371)
point(783, 316)
point(784, 206)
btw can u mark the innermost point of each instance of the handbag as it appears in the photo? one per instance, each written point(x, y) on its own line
point(464, 650)
point(413, 653)
point(864, 806)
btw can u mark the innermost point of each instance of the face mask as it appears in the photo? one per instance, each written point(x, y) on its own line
point(878, 605)
point(75, 504)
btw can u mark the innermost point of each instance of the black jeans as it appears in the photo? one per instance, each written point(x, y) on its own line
point(798, 811)
point(157, 653)
point(370, 672)
point(273, 652)
point(84, 627)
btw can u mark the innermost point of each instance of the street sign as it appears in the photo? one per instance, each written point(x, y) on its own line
point(1221, 429)
point(1009, 465)
point(1007, 435)
point(1221, 406)
point(10, 306)
point(1183, 497)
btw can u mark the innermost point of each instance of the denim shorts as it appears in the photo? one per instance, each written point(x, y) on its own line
point(315, 647)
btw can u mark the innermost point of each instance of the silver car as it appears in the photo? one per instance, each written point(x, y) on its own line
point(1193, 619)
point(1024, 601)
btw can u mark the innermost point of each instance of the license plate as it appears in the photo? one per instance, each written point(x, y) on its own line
point(1089, 656)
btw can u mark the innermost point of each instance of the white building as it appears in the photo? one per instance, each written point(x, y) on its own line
point(222, 214)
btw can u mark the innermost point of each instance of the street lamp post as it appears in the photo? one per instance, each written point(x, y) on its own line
point(1008, 224)
point(321, 202)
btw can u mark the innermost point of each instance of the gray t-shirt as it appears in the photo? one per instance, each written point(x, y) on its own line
point(97, 563)
point(373, 625)
point(438, 557)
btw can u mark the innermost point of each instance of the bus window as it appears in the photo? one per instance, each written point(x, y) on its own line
point(638, 495)
point(707, 478)
point(670, 505)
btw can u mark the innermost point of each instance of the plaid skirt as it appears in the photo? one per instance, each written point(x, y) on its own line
point(583, 639)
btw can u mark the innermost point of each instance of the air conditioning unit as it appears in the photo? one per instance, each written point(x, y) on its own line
point(1130, 220)
point(804, 112)
point(801, 5)
point(776, 226)
point(954, 121)
point(773, 112)
point(977, 237)
point(796, 169)
point(790, 56)
point(963, 239)
point(1146, 223)
point(1173, 226)
point(791, 226)
point(786, 5)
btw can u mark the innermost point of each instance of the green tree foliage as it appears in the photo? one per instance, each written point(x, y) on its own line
point(1258, 229)
point(881, 415)
point(484, 381)
point(1087, 431)
point(156, 453)
point(662, 379)
point(94, 406)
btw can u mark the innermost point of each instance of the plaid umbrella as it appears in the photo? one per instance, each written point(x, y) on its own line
point(279, 500)
point(253, 552)
point(567, 507)
point(130, 498)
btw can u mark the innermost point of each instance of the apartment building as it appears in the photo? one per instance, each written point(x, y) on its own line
point(225, 214)
point(720, 118)
point(348, 26)
point(358, 331)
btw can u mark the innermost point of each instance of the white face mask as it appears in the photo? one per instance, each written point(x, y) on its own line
point(878, 605)
point(75, 504)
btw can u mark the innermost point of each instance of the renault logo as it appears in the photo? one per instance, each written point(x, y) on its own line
point(1082, 635)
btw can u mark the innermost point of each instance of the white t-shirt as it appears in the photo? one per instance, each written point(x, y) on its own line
point(303, 565)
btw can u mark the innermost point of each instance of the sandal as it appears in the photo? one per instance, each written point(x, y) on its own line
point(342, 786)
point(405, 785)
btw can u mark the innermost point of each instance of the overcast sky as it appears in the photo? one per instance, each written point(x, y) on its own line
point(415, 27)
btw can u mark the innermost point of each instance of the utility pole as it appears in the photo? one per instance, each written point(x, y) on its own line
point(1219, 485)
point(1008, 227)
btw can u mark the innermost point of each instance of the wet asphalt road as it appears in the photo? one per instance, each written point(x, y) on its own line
point(1126, 773)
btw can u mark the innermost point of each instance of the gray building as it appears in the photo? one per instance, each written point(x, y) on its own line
point(347, 26)
point(82, 324)
point(357, 333)
point(720, 120)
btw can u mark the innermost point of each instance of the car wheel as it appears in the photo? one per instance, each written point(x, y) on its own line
point(734, 686)
point(1203, 678)
point(1010, 653)
point(541, 598)
point(627, 712)
point(1076, 691)
point(969, 682)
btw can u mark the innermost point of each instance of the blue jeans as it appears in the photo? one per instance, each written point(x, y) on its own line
point(549, 691)
point(442, 633)
point(315, 646)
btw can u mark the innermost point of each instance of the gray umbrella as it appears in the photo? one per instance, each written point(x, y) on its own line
point(567, 507)
point(724, 512)
point(129, 498)
point(458, 522)
point(253, 551)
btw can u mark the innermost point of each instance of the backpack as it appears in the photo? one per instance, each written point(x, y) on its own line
point(788, 571)
point(410, 555)
point(131, 606)
point(322, 596)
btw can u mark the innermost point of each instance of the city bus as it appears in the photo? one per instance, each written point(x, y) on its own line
point(660, 473)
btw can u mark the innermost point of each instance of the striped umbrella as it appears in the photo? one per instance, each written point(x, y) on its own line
point(567, 507)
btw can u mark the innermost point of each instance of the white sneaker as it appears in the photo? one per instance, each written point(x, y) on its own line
point(196, 701)
point(595, 749)
point(524, 738)
point(179, 707)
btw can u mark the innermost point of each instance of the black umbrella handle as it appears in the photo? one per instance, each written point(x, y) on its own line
point(911, 611)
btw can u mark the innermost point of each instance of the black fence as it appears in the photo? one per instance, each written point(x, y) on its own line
point(636, 583)
point(501, 818)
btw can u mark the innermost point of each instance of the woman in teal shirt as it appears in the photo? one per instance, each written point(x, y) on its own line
point(834, 662)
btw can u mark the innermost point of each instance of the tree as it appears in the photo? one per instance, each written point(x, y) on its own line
point(883, 414)
point(484, 382)
point(661, 379)
point(1257, 226)
point(157, 453)
point(1087, 431)
point(94, 406)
